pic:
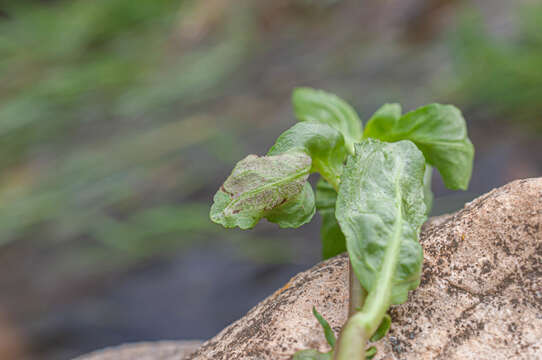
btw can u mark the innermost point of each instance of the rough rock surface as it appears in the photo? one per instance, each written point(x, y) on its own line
point(160, 350)
point(480, 295)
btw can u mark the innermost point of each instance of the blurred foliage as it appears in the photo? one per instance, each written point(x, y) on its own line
point(116, 119)
point(501, 73)
point(95, 143)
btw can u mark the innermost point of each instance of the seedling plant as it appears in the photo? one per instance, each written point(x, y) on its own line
point(373, 196)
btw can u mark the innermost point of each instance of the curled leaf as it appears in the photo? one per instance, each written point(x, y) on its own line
point(322, 143)
point(275, 186)
point(269, 186)
point(325, 108)
point(295, 212)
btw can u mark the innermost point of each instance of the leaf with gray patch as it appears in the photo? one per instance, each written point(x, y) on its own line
point(321, 142)
point(269, 186)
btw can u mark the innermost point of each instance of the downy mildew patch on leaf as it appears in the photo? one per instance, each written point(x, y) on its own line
point(324, 144)
point(262, 186)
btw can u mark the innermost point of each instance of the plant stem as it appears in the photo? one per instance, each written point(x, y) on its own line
point(332, 180)
point(353, 336)
point(351, 333)
point(352, 340)
point(362, 324)
point(356, 292)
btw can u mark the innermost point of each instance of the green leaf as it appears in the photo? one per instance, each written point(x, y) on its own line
point(321, 142)
point(312, 354)
point(440, 132)
point(269, 186)
point(370, 352)
point(330, 336)
point(322, 107)
point(380, 208)
point(333, 241)
point(295, 212)
point(275, 186)
point(383, 328)
point(383, 120)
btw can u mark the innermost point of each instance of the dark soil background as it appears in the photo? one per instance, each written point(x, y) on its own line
point(120, 119)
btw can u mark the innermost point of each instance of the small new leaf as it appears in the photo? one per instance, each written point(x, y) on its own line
point(370, 352)
point(333, 241)
point(312, 354)
point(269, 186)
point(330, 336)
point(322, 107)
point(383, 328)
point(439, 131)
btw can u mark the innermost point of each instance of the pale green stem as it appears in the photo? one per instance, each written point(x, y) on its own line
point(331, 178)
point(356, 294)
point(352, 341)
point(361, 326)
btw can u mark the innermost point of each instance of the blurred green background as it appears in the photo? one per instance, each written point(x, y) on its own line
point(119, 119)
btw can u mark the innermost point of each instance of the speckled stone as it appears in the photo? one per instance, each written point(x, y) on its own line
point(480, 295)
point(159, 350)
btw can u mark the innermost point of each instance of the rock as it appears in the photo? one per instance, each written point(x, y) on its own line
point(160, 350)
point(480, 295)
